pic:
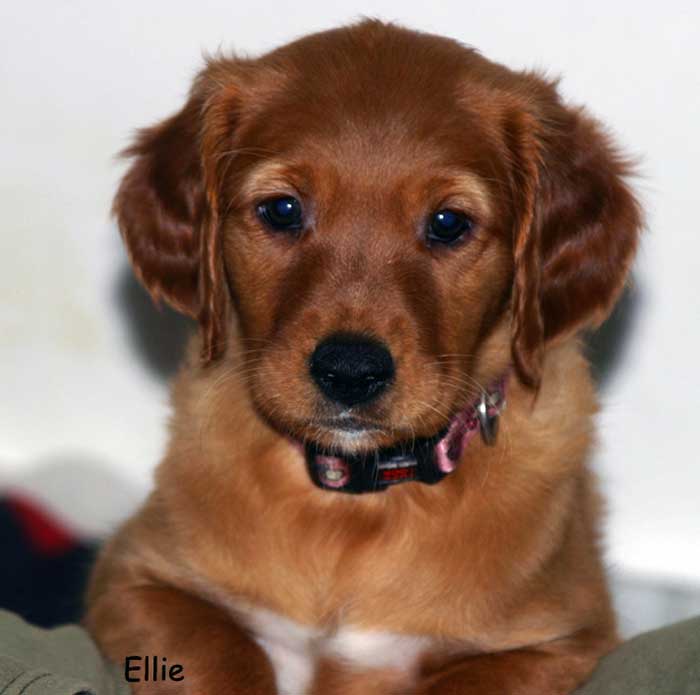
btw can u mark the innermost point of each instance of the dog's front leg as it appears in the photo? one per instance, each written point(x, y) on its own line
point(518, 672)
point(215, 655)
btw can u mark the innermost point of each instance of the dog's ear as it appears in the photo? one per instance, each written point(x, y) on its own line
point(576, 231)
point(167, 206)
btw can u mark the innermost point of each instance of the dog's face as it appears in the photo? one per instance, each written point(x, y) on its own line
point(367, 255)
point(381, 222)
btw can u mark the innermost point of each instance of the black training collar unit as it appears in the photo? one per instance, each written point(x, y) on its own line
point(375, 471)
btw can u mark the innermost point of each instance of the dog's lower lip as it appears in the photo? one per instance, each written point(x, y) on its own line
point(350, 425)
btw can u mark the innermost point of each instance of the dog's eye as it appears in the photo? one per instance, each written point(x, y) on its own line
point(446, 226)
point(282, 214)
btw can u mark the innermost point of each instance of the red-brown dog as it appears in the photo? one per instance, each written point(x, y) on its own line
point(383, 236)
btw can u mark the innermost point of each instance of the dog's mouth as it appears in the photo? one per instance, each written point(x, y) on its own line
point(422, 459)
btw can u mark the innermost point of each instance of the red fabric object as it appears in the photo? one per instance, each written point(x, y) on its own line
point(46, 535)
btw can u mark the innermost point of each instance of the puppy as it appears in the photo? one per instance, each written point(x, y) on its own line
point(377, 476)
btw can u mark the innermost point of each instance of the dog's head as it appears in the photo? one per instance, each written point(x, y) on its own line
point(381, 220)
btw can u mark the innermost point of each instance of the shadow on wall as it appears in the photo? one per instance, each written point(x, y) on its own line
point(159, 334)
point(606, 348)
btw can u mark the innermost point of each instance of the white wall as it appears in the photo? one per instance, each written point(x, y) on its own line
point(82, 414)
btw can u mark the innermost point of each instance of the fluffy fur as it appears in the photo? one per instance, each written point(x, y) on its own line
point(489, 582)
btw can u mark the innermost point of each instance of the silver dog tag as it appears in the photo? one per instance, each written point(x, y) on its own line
point(488, 410)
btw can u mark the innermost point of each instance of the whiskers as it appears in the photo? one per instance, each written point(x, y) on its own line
point(233, 389)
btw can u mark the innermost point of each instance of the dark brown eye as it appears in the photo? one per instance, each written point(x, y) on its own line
point(282, 214)
point(447, 226)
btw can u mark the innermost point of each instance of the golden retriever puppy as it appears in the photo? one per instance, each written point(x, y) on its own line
point(377, 475)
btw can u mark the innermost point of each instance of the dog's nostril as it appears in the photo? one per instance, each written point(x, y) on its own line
point(351, 369)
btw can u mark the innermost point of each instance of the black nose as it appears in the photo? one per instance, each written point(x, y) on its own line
point(351, 369)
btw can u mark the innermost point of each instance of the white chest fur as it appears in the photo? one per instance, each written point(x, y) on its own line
point(294, 650)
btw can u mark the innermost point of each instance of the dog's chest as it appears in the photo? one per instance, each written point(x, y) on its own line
point(296, 650)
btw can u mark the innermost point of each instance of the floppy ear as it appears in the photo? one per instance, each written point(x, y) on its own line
point(167, 208)
point(576, 231)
